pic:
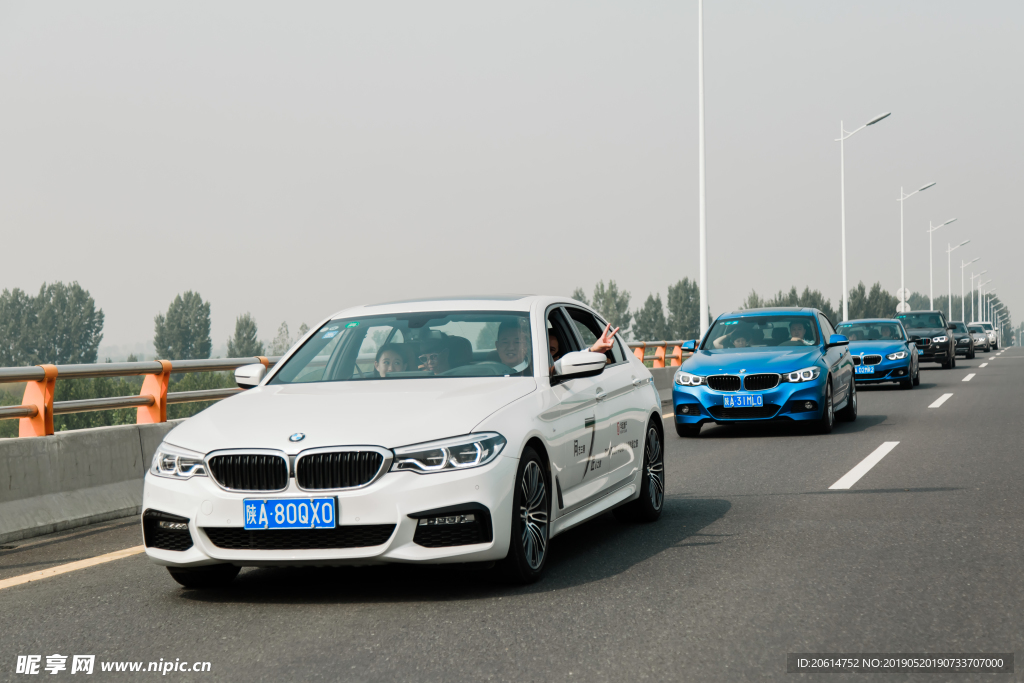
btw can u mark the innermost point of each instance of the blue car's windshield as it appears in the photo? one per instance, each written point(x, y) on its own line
point(756, 332)
point(871, 331)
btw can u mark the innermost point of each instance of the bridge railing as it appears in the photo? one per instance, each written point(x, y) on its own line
point(661, 352)
point(38, 408)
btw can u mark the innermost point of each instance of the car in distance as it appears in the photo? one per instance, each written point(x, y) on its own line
point(931, 332)
point(990, 330)
point(467, 430)
point(964, 341)
point(764, 364)
point(980, 336)
point(882, 352)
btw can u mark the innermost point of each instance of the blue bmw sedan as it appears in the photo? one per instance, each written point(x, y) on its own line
point(882, 352)
point(766, 364)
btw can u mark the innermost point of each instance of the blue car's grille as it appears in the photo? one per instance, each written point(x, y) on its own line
point(723, 413)
point(760, 382)
point(724, 382)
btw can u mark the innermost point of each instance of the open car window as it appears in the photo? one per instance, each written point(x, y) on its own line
point(761, 331)
point(871, 331)
point(414, 346)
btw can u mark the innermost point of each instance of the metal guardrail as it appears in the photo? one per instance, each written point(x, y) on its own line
point(661, 352)
point(38, 407)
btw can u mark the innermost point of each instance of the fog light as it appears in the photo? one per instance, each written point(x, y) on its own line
point(451, 519)
point(172, 526)
point(809, 405)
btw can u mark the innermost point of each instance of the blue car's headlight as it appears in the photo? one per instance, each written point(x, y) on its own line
point(805, 375)
point(899, 355)
point(939, 340)
point(685, 379)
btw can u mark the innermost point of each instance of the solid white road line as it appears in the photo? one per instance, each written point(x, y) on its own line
point(70, 567)
point(983, 365)
point(942, 399)
point(862, 468)
point(968, 378)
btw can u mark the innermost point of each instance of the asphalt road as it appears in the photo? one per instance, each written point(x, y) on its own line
point(754, 557)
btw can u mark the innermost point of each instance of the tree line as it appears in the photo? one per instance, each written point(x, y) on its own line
point(678, 317)
point(62, 325)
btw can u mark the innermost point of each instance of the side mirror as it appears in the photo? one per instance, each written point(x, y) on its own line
point(837, 340)
point(690, 345)
point(579, 364)
point(249, 376)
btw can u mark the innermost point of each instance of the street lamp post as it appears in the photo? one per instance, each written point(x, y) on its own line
point(949, 272)
point(962, 304)
point(981, 299)
point(931, 292)
point(703, 201)
point(843, 135)
point(986, 299)
point(903, 198)
point(972, 291)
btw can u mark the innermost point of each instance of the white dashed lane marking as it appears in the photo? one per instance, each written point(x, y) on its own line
point(940, 400)
point(864, 466)
point(968, 378)
point(983, 365)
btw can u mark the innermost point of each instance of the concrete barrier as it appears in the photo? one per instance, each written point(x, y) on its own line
point(663, 382)
point(74, 478)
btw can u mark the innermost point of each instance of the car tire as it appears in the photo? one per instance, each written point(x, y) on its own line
point(947, 364)
point(827, 421)
point(647, 508)
point(849, 413)
point(531, 512)
point(952, 362)
point(688, 431)
point(211, 576)
point(970, 354)
point(917, 375)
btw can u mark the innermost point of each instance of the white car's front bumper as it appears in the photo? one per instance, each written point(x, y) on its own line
point(388, 501)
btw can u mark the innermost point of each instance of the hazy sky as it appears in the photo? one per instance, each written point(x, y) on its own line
point(292, 159)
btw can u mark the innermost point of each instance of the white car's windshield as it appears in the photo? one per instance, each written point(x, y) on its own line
point(758, 332)
point(871, 331)
point(414, 346)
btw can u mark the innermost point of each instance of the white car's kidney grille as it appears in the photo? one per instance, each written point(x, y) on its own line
point(337, 470)
point(250, 471)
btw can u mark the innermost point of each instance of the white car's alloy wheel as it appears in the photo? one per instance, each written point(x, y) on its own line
point(533, 514)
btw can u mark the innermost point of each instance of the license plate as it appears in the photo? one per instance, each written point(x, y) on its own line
point(865, 369)
point(290, 513)
point(743, 401)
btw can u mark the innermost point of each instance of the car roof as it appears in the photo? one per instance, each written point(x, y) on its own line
point(494, 302)
point(770, 311)
point(908, 312)
point(870, 320)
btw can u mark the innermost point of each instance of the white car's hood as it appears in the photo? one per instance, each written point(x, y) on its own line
point(388, 413)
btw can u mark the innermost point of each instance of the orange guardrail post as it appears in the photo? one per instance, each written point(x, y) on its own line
point(659, 357)
point(265, 361)
point(39, 394)
point(155, 386)
point(677, 356)
point(639, 353)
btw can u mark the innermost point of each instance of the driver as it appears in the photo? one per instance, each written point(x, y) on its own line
point(887, 332)
point(513, 345)
point(798, 331)
point(434, 356)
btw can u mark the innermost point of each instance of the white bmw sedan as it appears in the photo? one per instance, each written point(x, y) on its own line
point(439, 431)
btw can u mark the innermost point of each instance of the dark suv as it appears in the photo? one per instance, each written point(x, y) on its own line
point(933, 335)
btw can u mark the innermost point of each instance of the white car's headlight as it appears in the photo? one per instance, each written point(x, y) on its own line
point(177, 463)
point(685, 379)
point(458, 453)
point(899, 355)
point(939, 339)
point(805, 375)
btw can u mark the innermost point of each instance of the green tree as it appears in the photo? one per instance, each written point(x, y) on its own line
point(683, 310)
point(184, 333)
point(580, 296)
point(17, 320)
point(876, 303)
point(649, 322)
point(282, 342)
point(613, 305)
point(197, 381)
point(809, 298)
point(244, 343)
point(68, 326)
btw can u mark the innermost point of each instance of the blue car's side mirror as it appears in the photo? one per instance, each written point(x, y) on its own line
point(838, 340)
point(690, 345)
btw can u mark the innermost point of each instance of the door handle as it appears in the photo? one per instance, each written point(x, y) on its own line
point(602, 396)
point(639, 382)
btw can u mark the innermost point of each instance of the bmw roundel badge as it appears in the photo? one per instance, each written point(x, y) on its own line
point(297, 436)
